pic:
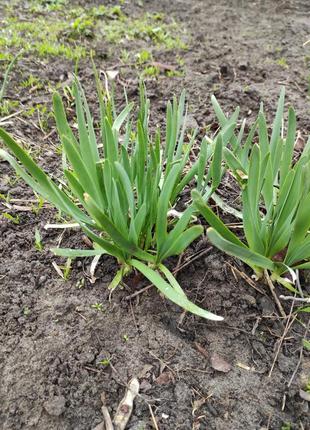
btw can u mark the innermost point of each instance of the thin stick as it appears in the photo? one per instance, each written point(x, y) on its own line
point(133, 316)
point(245, 277)
point(191, 260)
point(271, 286)
point(296, 299)
point(11, 115)
point(153, 417)
point(162, 362)
point(107, 418)
point(286, 329)
point(137, 293)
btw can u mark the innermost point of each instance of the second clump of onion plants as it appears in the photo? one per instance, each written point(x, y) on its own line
point(275, 196)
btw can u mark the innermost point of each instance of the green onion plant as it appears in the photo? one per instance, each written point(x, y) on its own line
point(275, 192)
point(121, 191)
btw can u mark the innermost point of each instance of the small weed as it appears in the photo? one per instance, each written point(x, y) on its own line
point(5, 197)
point(26, 311)
point(105, 362)
point(143, 56)
point(7, 106)
point(97, 307)
point(282, 62)
point(82, 26)
point(40, 6)
point(6, 56)
point(14, 219)
point(42, 113)
point(307, 60)
point(38, 240)
point(125, 56)
point(38, 206)
point(125, 338)
point(150, 71)
point(67, 269)
point(306, 344)
point(80, 283)
point(174, 73)
point(149, 27)
point(31, 82)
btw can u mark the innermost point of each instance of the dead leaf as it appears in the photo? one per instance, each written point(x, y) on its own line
point(201, 349)
point(304, 395)
point(164, 378)
point(299, 142)
point(218, 363)
point(111, 74)
point(146, 368)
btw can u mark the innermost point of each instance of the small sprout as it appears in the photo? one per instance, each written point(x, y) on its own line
point(32, 82)
point(38, 240)
point(174, 73)
point(14, 219)
point(37, 208)
point(150, 71)
point(97, 307)
point(125, 337)
point(7, 107)
point(67, 269)
point(5, 197)
point(63, 271)
point(282, 62)
point(143, 56)
point(125, 56)
point(105, 362)
point(80, 283)
point(306, 344)
point(26, 311)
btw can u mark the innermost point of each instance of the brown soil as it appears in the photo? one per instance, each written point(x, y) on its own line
point(55, 346)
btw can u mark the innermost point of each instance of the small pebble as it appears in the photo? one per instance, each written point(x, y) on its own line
point(55, 406)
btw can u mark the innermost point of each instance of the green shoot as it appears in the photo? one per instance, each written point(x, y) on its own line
point(13, 219)
point(38, 240)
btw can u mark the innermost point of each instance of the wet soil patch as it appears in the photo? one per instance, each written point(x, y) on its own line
point(63, 343)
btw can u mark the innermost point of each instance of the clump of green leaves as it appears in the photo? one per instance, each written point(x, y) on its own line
point(122, 194)
point(275, 200)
